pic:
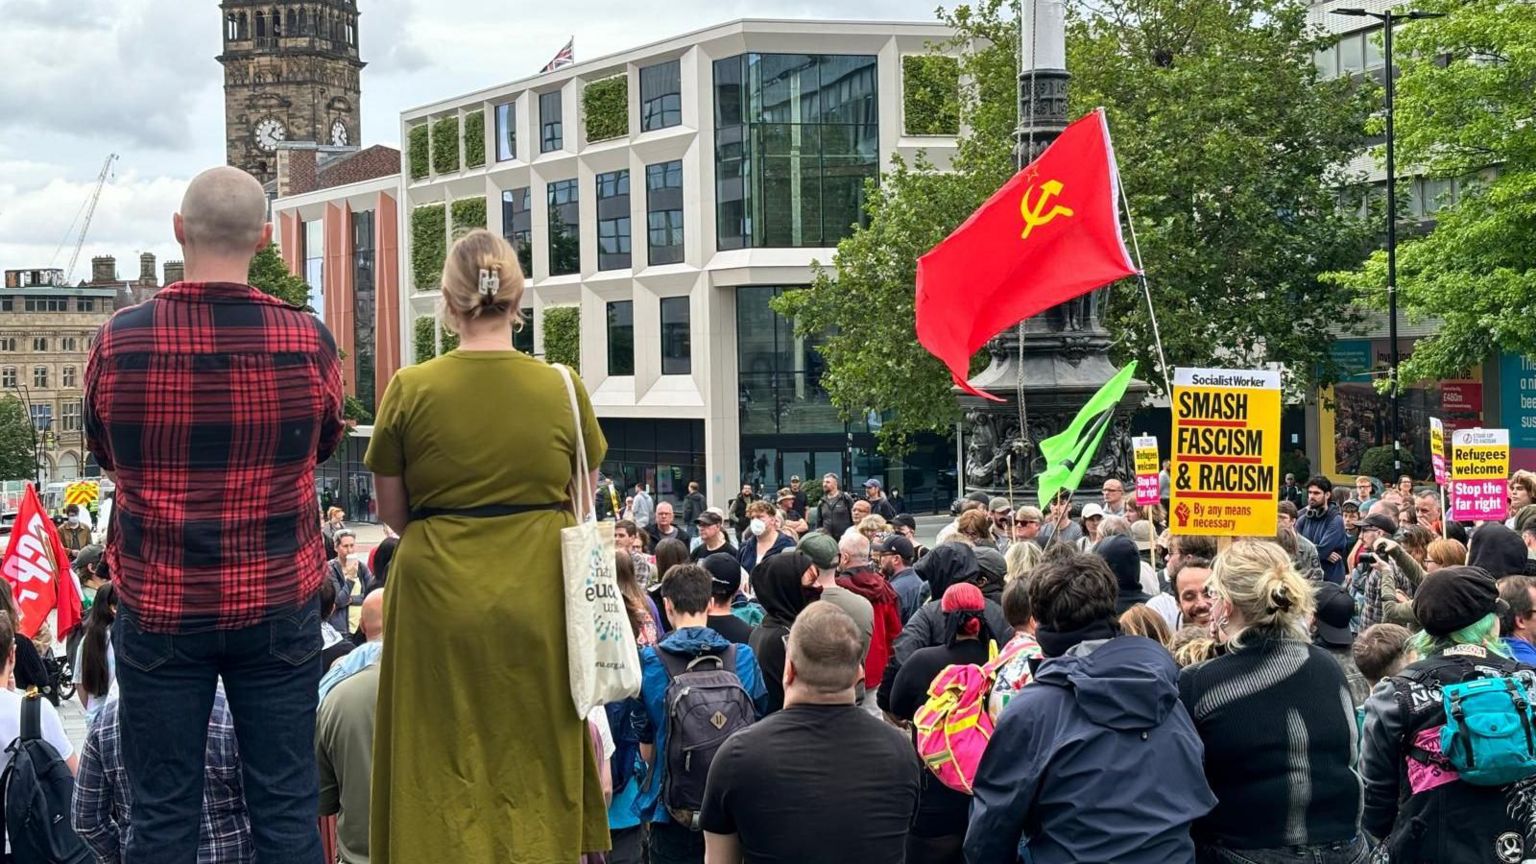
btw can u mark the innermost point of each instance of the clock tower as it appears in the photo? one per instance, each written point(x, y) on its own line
point(291, 73)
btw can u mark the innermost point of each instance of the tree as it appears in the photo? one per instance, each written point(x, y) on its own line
point(1228, 145)
point(269, 274)
point(1464, 113)
point(18, 461)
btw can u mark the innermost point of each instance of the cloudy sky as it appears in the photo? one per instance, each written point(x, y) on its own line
point(84, 78)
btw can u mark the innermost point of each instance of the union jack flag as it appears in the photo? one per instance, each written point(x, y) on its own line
point(566, 57)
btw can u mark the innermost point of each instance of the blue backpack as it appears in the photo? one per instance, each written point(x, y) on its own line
point(1489, 735)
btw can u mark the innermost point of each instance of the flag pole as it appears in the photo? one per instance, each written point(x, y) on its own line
point(1146, 287)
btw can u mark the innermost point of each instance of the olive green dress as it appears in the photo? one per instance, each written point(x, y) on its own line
point(478, 754)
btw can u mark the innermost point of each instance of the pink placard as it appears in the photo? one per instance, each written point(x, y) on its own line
point(1479, 500)
point(1146, 490)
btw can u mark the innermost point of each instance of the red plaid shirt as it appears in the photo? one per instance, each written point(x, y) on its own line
point(212, 403)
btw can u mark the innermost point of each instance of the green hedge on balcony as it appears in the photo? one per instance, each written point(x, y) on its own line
point(425, 349)
point(445, 145)
point(605, 105)
point(931, 94)
point(474, 139)
point(417, 150)
point(562, 336)
point(428, 245)
point(468, 214)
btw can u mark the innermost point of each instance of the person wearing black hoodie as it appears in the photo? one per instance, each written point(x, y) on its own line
point(1096, 760)
point(947, 564)
point(1120, 553)
point(1497, 550)
point(784, 585)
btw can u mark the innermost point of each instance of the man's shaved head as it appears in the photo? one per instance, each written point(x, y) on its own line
point(224, 213)
point(372, 619)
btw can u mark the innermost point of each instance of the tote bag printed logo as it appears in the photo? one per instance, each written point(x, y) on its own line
point(603, 593)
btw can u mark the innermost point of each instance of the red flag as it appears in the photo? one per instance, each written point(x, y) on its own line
point(37, 568)
point(1050, 234)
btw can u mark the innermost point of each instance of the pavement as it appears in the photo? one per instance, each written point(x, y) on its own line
point(73, 716)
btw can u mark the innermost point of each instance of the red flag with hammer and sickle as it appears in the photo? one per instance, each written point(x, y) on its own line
point(1051, 234)
point(36, 570)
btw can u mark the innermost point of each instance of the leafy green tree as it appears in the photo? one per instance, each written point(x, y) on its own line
point(1465, 104)
point(270, 274)
point(17, 458)
point(1228, 145)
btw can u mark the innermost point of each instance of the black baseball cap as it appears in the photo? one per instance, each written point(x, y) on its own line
point(1335, 608)
point(709, 518)
point(724, 572)
point(905, 520)
point(896, 544)
point(1381, 522)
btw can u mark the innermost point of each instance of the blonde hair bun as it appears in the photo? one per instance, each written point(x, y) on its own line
point(481, 277)
point(1258, 578)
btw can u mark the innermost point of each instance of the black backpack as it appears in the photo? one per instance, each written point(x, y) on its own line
point(704, 707)
point(36, 790)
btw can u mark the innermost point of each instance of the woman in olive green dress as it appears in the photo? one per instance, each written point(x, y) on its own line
point(479, 755)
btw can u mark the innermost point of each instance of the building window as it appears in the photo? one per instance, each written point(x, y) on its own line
point(613, 221)
point(676, 340)
point(39, 343)
point(551, 130)
point(42, 416)
point(8, 378)
point(522, 337)
point(661, 96)
point(314, 266)
point(365, 309)
point(517, 225)
point(797, 136)
point(664, 212)
point(564, 228)
point(69, 377)
point(69, 344)
point(8, 343)
point(40, 377)
point(47, 304)
point(85, 304)
point(69, 415)
point(7, 304)
point(621, 338)
point(506, 132)
point(779, 372)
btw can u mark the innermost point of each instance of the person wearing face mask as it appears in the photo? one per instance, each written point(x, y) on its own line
point(764, 539)
point(784, 584)
point(74, 534)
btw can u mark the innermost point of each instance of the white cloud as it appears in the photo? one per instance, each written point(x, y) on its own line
point(139, 77)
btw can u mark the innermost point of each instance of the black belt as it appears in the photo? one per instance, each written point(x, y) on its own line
point(489, 511)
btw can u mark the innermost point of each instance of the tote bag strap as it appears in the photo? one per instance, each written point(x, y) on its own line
point(582, 503)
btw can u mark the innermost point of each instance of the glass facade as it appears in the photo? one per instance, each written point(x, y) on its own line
point(517, 225)
point(314, 266)
point(613, 241)
point(551, 129)
point(661, 96)
point(621, 338)
point(564, 228)
point(676, 338)
point(522, 339)
point(664, 212)
point(365, 316)
point(797, 136)
point(789, 425)
point(665, 453)
point(506, 132)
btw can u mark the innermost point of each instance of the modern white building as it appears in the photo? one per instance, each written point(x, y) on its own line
point(741, 164)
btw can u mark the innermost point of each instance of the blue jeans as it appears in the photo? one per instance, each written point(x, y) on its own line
point(271, 675)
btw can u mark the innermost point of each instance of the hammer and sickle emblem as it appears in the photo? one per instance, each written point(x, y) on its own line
point(1037, 215)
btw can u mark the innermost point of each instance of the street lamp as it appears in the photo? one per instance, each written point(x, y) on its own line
point(1389, 20)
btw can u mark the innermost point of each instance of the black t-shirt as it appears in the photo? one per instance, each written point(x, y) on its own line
point(699, 552)
point(815, 784)
point(731, 627)
point(943, 811)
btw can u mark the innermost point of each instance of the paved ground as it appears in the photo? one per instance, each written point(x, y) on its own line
point(73, 716)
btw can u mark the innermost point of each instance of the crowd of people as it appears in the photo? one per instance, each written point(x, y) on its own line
point(1066, 684)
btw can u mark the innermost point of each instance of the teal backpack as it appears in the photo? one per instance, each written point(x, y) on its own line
point(1489, 735)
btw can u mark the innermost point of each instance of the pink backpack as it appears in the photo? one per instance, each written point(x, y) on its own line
point(953, 726)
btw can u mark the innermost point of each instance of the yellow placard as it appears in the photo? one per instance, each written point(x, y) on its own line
point(1226, 452)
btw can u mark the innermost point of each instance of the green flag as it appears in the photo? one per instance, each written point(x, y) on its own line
point(1068, 455)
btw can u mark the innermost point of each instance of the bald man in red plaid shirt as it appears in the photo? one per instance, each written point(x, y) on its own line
point(210, 406)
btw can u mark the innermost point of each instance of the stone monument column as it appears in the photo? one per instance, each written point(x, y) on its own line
point(1058, 359)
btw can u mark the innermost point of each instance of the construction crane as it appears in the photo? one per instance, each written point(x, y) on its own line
point(89, 210)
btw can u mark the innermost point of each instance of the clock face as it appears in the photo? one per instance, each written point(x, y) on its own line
point(269, 133)
point(339, 133)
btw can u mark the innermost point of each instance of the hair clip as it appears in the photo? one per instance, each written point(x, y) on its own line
point(490, 282)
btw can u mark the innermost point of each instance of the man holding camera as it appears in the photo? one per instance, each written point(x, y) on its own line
point(1375, 569)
